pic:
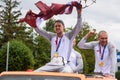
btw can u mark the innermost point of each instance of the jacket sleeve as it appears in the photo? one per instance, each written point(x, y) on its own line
point(72, 34)
point(45, 34)
point(113, 55)
point(86, 45)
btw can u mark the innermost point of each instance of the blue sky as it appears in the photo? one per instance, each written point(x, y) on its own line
point(103, 15)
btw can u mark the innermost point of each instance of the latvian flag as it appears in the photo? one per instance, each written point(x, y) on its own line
point(47, 12)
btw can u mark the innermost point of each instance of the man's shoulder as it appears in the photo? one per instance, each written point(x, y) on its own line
point(111, 45)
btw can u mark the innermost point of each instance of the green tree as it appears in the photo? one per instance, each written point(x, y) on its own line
point(9, 28)
point(8, 19)
point(20, 57)
point(117, 75)
point(50, 25)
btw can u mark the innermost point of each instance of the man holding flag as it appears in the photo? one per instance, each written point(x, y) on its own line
point(61, 42)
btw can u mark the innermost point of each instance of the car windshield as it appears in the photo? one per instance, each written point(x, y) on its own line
point(37, 78)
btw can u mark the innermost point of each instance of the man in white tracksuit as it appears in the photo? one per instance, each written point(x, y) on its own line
point(61, 45)
point(75, 57)
point(105, 53)
point(76, 62)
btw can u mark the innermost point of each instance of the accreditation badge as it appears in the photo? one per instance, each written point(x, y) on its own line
point(55, 55)
point(101, 63)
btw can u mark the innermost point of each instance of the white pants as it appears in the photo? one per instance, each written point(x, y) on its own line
point(67, 69)
point(55, 68)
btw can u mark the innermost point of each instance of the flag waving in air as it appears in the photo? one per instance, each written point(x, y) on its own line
point(47, 12)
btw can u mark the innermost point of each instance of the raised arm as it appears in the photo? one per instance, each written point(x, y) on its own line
point(87, 45)
point(78, 25)
point(45, 34)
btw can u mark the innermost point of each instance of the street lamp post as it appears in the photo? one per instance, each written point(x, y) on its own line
point(7, 58)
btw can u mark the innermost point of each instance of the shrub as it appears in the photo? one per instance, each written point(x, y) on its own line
point(20, 57)
point(117, 75)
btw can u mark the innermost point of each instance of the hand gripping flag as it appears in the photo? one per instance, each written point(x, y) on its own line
point(47, 12)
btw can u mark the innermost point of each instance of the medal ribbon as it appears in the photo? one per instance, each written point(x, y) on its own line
point(58, 43)
point(102, 54)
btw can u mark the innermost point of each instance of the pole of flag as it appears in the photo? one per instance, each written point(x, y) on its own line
point(7, 58)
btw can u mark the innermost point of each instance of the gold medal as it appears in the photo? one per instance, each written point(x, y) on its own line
point(55, 54)
point(101, 64)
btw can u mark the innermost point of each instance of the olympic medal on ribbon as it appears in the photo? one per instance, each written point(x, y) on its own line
point(55, 54)
point(101, 63)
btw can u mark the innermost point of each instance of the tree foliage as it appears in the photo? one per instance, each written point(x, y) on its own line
point(9, 27)
point(50, 25)
point(20, 57)
point(117, 75)
point(8, 19)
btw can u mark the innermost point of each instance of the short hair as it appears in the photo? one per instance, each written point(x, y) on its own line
point(60, 21)
point(102, 31)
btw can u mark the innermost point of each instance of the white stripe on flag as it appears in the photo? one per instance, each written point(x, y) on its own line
point(39, 21)
point(67, 9)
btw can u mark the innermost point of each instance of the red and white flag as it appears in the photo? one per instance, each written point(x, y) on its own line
point(47, 12)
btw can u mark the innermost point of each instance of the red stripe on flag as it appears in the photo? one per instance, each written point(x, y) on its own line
point(30, 18)
point(43, 7)
point(47, 12)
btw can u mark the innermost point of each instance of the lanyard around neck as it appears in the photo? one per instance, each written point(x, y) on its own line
point(58, 43)
point(102, 53)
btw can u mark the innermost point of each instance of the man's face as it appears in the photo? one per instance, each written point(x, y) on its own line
point(58, 28)
point(103, 38)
